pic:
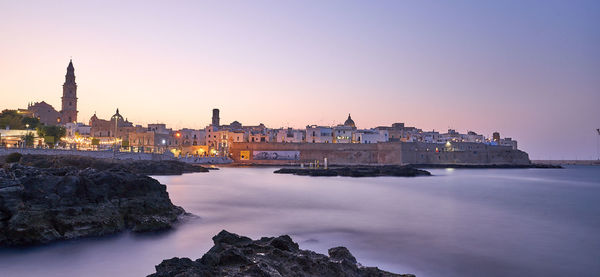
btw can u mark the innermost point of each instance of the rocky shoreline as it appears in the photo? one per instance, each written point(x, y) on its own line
point(41, 205)
point(357, 171)
point(234, 255)
point(146, 167)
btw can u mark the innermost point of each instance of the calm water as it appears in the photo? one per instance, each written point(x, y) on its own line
point(530, 222)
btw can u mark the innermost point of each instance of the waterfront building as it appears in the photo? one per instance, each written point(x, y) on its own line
point(431, 137)
point(319, 134)
point(218, 140)
point(258, 136)
point(508, 142)
point(77, 129)
point(117, 126)
point(289, 135)
point(400, 133)
point(109, 133)
point(44, 112)
point(192, 137)
point(12, 138)
point(159, 128)
point(496, 137)
point(472, 137)
point(370, 136)
point(343, 134)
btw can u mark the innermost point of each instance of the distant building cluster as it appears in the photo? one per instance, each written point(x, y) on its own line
point(216, 139)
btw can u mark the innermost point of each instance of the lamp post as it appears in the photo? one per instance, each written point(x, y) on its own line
point(598, 144)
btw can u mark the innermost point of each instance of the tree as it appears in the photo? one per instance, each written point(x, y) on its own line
point(14, 120)
point(28, 139)
point(51, 134)
point(30, 122)
point(11, 119)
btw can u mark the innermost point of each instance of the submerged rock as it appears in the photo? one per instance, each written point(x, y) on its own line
point(40, 205)
point(234, 255)
point(358, 171)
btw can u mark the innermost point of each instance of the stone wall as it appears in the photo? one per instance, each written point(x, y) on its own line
point(384, 153)
point(118, 155)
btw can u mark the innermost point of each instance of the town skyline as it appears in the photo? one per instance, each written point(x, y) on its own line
point(522, 98)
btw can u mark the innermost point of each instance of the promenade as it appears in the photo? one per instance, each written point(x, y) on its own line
point(109, 154)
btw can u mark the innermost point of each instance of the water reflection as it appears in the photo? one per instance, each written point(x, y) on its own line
point(456, 223)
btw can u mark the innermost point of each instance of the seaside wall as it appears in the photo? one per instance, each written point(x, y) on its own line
point(116, 155)
point(379, 153)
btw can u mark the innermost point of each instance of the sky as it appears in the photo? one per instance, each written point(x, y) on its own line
point(527, 69)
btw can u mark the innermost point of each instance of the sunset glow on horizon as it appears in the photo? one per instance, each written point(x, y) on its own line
point(527, 70)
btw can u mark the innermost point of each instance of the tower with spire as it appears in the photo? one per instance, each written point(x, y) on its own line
point(69, 99)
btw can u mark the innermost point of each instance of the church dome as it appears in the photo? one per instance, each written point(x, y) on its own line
point(350, 122)
point(117, 116)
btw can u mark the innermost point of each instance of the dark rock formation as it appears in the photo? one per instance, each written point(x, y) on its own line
point(357, 171)
point(39, 205)
point(235, 255)
point(140, 166)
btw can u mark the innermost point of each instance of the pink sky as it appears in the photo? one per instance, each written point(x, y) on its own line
point(528, 70)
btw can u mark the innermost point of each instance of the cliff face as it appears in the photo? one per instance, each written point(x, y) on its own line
point(39, 205)
point(235, 255)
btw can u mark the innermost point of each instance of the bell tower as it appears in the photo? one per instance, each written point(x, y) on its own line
point(68, 112)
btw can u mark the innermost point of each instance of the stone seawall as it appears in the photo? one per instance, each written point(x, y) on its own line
point(116, 155)
point(389, 153)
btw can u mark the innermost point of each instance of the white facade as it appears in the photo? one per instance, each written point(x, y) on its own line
point(81, 129)
point(508, 142)
point(159, 128)
point(343, 134)
point(370, 136)
point(319, 134)
point(289, 135)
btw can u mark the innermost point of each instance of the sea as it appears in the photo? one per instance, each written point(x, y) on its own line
point(458, 222)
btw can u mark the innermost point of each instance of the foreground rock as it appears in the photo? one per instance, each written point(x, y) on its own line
point(141, 166)
point(235, 255)
point(358, 171)
point(39, 205)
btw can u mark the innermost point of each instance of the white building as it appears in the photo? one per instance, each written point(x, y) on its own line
point(343, 134)
point(193, 137)
point(77, 129)
point(370, 136)
point(289, 135)
point(319, 134)
point(508, 142)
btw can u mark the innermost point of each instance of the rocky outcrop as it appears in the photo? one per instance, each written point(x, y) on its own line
point(357, 171)
point(148, 167)
point(234, 255)
point(39, 205)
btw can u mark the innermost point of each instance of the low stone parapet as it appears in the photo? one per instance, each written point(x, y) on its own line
point(108, 154)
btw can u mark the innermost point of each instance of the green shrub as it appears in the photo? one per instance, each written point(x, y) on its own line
point(13, 157)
